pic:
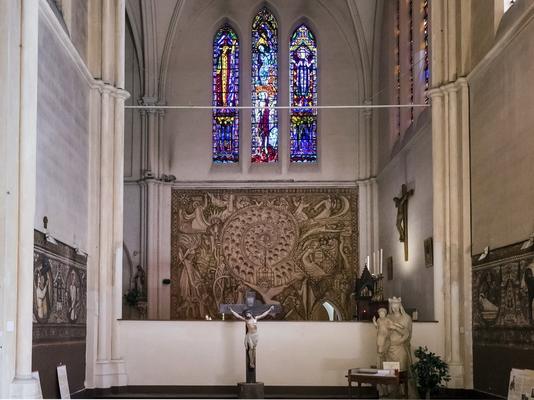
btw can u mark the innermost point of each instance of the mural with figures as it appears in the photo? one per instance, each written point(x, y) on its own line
point(59, 298)
point(503, 296)
point(294, 247)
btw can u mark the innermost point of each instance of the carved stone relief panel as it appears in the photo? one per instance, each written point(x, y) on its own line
point(503, 296)
point(294, 247)
point(60, 291)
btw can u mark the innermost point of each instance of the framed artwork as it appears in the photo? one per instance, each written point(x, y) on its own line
point(429, 252)
point(389, 266)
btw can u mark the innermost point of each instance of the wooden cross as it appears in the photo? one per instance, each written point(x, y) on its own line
point(255, 308)
point(402, 216)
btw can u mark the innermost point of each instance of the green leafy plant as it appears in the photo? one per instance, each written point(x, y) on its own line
point(132, 297)
point(430, 371)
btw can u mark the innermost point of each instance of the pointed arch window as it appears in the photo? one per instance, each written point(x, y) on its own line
point(303, 95)
point(264, 87)
point(225, 96)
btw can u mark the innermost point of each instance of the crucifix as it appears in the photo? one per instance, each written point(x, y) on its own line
point(402, 216)
point(250, 312)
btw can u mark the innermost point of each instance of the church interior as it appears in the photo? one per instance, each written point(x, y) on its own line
point(353, 173)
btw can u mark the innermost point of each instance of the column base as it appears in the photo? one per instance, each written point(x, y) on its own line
point(28, 388)
point(456, 371)
point(250, 390)
point(110, 373)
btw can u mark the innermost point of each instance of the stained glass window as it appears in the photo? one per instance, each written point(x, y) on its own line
point(303, 95)
point(397, 65)
point(225, 96)
point(426, 47)
point(264, 87)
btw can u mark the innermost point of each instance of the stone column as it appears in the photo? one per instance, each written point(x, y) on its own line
point(452, 225)
point(150, 207)
point(367, 188)
point(152, 248)
point(109, 368)
point(450, 20)
point(18, 78)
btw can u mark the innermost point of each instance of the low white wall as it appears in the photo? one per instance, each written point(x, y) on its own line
point(289, 353)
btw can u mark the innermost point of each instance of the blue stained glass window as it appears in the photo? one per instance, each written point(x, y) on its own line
point(303, 95)
point(225, 96)
point(264, 87)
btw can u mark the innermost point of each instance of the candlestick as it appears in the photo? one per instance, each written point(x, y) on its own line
point(381, 261)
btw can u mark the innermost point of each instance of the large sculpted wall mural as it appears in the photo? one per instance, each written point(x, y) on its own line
point(59, 298)
point(295, 247)
point(503, 295)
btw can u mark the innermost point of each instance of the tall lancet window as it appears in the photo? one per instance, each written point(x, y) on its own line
point(264, 87)
point(303, 95)
point(225, 96)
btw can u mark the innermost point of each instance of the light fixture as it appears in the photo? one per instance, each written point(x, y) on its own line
point(80, 252)
point(528, 243)
point(49, 238)
point(484, 254)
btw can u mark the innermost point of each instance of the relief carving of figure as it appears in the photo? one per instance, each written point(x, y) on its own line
point(73, 296)
point(529, 283)
point(43, 303)
point(43, 290)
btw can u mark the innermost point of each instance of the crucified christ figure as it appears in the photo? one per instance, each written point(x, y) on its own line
point(251, 336)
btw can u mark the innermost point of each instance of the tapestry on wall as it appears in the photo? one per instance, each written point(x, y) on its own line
point(503, 295)
point(60, 291)
point(294, 247)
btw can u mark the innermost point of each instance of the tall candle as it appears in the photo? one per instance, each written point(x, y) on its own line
point(381, 261)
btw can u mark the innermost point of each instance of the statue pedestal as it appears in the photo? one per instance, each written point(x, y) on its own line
point(250, 390)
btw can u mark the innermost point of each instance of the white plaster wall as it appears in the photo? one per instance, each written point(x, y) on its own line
point(289, 353)
point(62, 143)
point(187, 135)
point(411, 279)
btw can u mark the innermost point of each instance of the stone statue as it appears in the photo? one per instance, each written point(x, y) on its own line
point(400, 334)
point(251, 336)
point(139, 280)
point(383, 326)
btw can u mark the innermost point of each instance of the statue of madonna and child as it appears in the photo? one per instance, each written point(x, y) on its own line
point(394, 332)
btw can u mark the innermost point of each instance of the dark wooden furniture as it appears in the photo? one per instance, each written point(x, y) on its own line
point(399, 378)
point(367, 309)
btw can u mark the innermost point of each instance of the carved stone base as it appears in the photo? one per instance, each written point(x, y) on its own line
point(25, 389)
point(250, 390)
point(456, 372)
point(110, 373)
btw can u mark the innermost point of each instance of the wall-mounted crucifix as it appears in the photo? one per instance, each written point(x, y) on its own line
point(401, 203)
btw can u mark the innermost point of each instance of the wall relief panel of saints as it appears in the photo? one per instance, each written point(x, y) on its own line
point(503, 300)
point(59, 291)
point(297, 248)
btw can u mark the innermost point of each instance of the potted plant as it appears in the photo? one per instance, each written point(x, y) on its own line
point(430, 371)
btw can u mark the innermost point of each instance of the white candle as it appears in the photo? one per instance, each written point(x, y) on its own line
point(381, 261)
point(367, 263)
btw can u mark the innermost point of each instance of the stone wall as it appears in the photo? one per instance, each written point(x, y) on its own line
point(502, 147)
point(404, 157)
